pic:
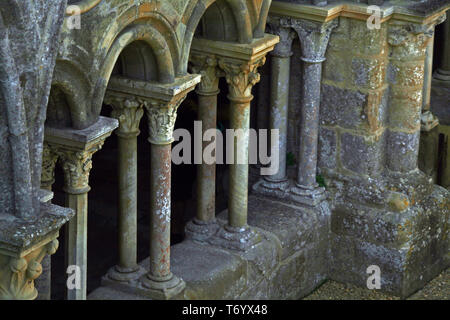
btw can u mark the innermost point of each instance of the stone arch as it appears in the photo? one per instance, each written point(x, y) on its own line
point(67, 106)
point(234, 15)
point(152, 42)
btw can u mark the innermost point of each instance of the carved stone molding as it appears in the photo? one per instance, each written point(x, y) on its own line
point(77, 165)
point(278, 27)
point(411, 39)
point(207, 66)
point(161, 116)
point(17, 273)
point(49, 158)
point(128, 110)
point(241, 76)
point(314, 38)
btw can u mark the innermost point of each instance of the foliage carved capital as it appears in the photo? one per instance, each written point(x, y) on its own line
point(128, 110)
point(207, 66)
point(241, 76)
point(49, 158)
point(17, 274)
point(161, 116)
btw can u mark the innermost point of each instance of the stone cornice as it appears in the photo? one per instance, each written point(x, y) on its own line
point(236, 51)
point(154, 90)
point(353, 10)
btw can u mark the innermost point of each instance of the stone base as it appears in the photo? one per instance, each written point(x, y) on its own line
point(235, 238)
point(199, 230)
point(410, 247)
point(275, 189)
point(306, 196)
point(288, 262)
point(163, 290)
point(117, 273)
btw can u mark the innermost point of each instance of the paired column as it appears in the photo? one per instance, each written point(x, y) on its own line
point(278, 183)
point(128, 110)
point(314, 41)
point(204, 224)
point(75, 149)
point(161, 115)
point(241, 77)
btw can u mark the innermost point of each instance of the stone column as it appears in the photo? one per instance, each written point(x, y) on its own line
point(128, 110)
point(277, 184)
point(443, 72)
point(75, 149)
point(240, 76)
point(204, 224)
point(314, 41)
point(408, 48)
point(159, 280)
point(43, 283)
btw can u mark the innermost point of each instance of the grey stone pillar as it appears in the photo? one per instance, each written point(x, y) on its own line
point(75, 149)
point(240, 77)
point(314, 41)
point(277, 184)
point(128, 111)
point(204, 224)
point(159, 280)
point(443, 72)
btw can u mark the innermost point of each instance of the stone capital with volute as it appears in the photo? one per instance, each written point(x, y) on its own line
point(207, 66)
point(314, 38)
point(279, 27)
point(128, 110)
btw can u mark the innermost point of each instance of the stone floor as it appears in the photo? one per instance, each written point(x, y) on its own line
point(436, 289)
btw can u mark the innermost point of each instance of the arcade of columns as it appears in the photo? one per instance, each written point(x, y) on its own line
point(238, 64)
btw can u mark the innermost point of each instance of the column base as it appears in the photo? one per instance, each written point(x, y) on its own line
point(272, 188)
point(201, 230)
point(121, 274)
point(306, 195)
point(442, 75)
point(162, 289)
point(235, 238)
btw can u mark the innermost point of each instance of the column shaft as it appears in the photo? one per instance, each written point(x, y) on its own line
point(238, 194)
point(127, 203)
point(206, 173)
point(160, 212)
point(76, 242)
point(279, 104)
point(309, 126)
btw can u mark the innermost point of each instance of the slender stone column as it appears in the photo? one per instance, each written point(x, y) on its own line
point(43, 283)
point(128, 111)
point(240, 76)
point(314, 41)
point(277, 184)
point(443, 72)
point(204, 224)
point(75, 149)
point(161, 115)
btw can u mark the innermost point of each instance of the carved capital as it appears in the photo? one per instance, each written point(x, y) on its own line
point(161, 117)
point(17, 274)
point(278, 26)
point(409, 39)
point(49, 158)
point(207, 66)
point(77, 165)
point(128, 110)
point(314, 38)
point(241, 76)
